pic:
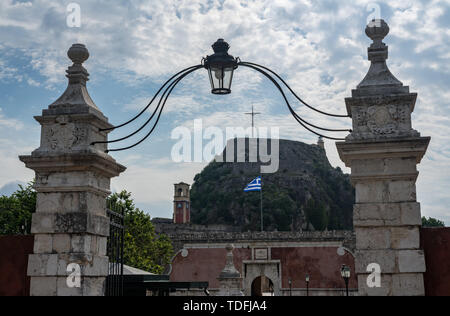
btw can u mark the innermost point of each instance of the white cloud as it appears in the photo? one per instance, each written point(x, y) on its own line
point(152, 182)
point(319, 47)
point(9, 123)
point(13, 142)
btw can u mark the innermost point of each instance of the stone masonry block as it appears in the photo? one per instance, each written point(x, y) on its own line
point(385, 258)
point(42, 224)
point(65, 288)
point(395, 166)
point(53, 223)
point(94, 286)
point(57, 202)
point(384, 290)
point(99, 267)
point(386, 214)
point(411, 214)
point(96, 203)
point(81, 243)
point(373, 238)
point(72, 181)
point(61, 243)
point(43, 243)
point(405, 237)
point(89, 286)
point(402, 191)
point(410, 261)
point(384, 166)
point(93, 246)
point(101, 245)
point(406, 284)
point(90, 265)
point(382, 191)
point(371, 192)
point(42, 265)
point(43, 286)
point(71, 202)
point(375, 214)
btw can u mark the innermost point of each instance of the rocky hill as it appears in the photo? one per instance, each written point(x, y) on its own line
point(305, 193)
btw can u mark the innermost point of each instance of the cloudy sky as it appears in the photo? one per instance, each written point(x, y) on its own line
point(319, 47)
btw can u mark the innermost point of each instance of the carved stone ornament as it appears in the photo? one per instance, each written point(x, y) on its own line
point(64, 135)
point(383, 120)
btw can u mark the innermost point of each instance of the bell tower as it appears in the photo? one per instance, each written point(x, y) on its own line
point(321, 143)
point(181, 204)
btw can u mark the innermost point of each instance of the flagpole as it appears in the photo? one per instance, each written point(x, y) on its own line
point(262, 223)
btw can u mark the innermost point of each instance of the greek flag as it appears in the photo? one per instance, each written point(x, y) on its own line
point(255, 185)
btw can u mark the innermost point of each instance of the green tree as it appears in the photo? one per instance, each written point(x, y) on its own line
point(143, 248)
point(16, 211)
point(432, 222)
point(316, 214)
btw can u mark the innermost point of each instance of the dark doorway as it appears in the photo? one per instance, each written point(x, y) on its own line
point(262, 286)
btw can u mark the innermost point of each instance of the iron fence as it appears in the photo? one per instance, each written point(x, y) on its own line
point(114, 281)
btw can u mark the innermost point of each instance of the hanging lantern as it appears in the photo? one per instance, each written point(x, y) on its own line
point(220, 67)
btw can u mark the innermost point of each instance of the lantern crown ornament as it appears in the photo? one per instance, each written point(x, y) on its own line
point(221, 66)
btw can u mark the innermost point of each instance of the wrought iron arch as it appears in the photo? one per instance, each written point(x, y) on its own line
point(220, 66)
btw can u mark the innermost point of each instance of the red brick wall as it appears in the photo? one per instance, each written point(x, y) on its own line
point(205, 264)
point(14, 251)
point(436, 244)
point(322, 263)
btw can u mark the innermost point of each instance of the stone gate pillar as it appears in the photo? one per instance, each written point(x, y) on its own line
point(70, 225)
point(383, 151)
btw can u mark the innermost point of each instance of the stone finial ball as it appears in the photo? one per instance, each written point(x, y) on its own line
point(377, 30)
point(78, 53)
point(229, 247)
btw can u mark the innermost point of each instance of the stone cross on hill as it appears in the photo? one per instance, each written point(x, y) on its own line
point(253, 114)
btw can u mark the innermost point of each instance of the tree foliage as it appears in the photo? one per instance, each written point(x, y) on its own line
point(316, 214)
point(324, 194)
point(432, 222)
point(143, 248)
point(16, 211)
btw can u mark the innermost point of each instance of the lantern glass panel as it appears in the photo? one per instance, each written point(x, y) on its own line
point(221, 78)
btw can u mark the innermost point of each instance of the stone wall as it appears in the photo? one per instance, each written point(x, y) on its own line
point(180, 239)
point(166, 226)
